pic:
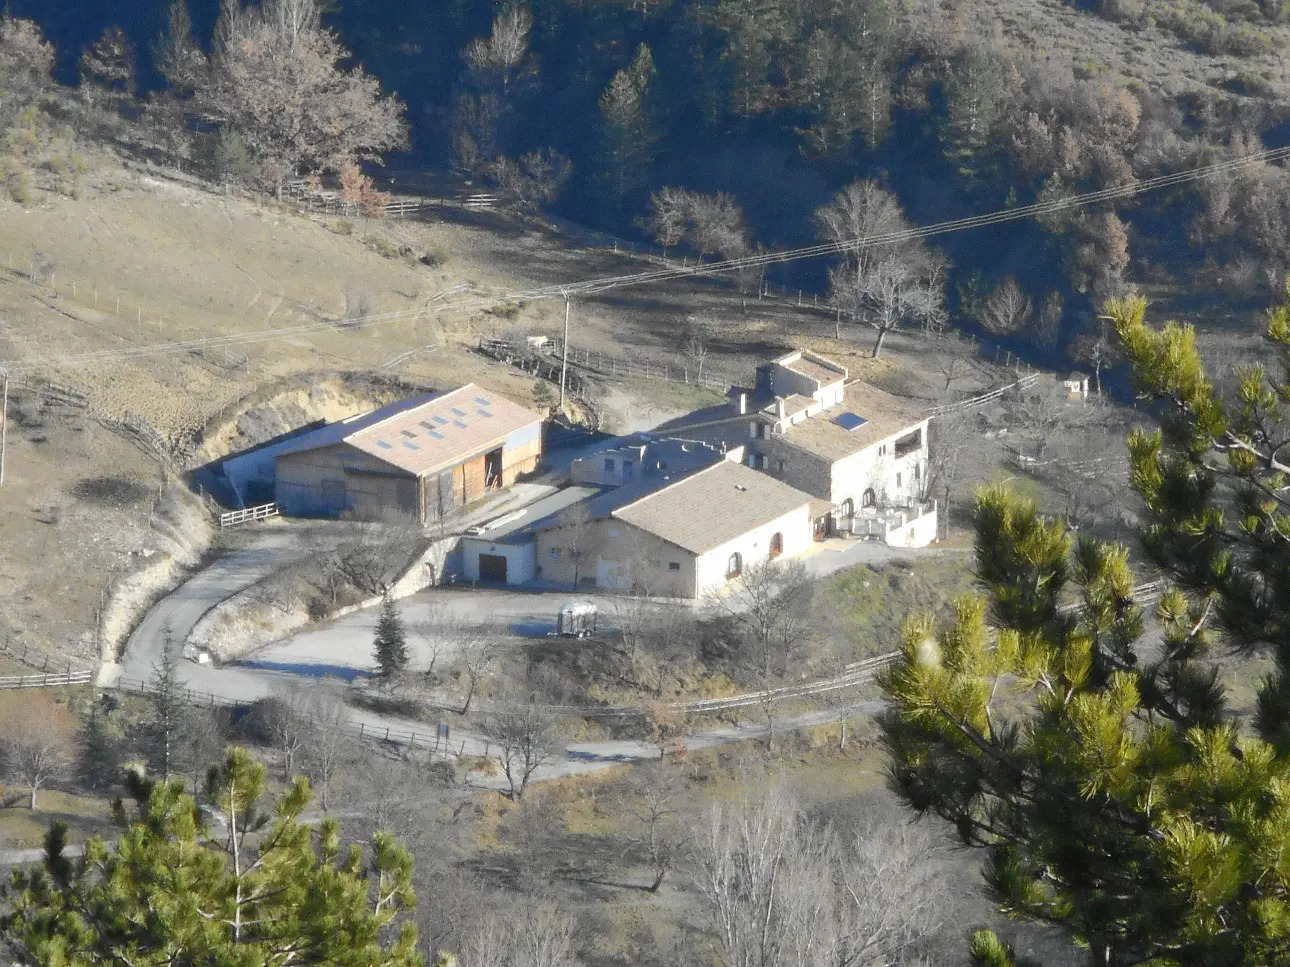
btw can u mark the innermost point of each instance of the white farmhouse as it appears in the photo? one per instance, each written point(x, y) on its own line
point(859, 449)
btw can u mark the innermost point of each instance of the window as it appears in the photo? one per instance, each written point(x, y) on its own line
point(761, 431)
point(882, 450)
point(898, 481)
point(848, 508)
point(918, 472)
point(735, 566)
point(762, 462)
point(554, 552)
point(752, 429)
point(609, 464)
point(781, 466)
point(674, 565)
point(776, 545)
point(868, 498)
point(627, 470)
point(654, 562)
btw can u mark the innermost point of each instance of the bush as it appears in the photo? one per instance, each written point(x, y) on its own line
point(231, 160)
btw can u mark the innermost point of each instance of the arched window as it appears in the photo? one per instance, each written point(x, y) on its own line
point(776, 545)
point(848, 508)
point(868, 498)
point(735, 566)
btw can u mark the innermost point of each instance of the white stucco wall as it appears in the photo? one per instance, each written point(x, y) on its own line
point(879, 468)
point(754, 546)
point(519, 559)
point(914, 533)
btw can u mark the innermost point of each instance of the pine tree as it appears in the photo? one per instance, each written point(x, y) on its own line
point(627, 135)
point(261, 888)
point(391, 642)
point(165, 729)
point(1115, 792)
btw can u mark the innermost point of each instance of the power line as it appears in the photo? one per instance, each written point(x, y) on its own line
point(603, 284)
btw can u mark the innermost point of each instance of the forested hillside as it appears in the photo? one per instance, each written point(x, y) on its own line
point(954, 107)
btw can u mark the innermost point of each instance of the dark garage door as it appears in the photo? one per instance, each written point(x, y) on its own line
point(492, 568)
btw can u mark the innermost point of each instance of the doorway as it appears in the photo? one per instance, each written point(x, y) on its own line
point(492, 568)
point(493, 469)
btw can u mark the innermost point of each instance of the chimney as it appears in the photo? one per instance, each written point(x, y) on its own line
point(779, 408)
point(743, 402)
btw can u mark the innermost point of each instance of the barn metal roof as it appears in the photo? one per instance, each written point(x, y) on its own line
point(444, 430)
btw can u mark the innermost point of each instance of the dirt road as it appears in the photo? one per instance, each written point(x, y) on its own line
point(177, 613)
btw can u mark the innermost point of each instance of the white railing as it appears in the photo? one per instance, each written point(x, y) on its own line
point(262, 512)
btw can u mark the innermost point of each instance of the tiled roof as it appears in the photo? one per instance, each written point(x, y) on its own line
point(709, 508)
point(884, 415)
point(443, 431)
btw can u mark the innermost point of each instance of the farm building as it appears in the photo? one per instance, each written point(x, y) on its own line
point(425, 457)
point(862, 450)
point(675, 535)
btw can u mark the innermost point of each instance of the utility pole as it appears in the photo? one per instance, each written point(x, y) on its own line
point(564, 351)
point(4, 418)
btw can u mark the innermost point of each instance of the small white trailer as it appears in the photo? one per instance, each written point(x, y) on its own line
point(576, 620)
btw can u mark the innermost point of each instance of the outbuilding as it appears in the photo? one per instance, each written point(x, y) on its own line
point(425, 458)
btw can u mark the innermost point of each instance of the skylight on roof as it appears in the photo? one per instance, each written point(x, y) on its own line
point(427, 424)
point(436, 434)
point(485, 414)
point(385, 444)
point(457, 411)
point(459, 423)
point(410, 445)
point(849, 421)
point(410, 434)
point(483, 401)
point(441, 420)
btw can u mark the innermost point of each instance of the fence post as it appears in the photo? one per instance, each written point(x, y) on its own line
point(360, 730)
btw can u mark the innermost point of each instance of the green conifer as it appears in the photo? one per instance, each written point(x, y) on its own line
point(1115, 792)
point(391, 641)
point(256, 888)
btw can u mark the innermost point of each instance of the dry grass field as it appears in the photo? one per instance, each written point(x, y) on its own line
point(95, 290)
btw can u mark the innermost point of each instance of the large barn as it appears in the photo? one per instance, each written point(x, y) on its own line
point(424, 457)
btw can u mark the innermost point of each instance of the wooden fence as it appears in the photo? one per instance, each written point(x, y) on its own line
point(433, 741)
point(984, 398)
point(261, 512)
point(611, 365)
point(47, 681)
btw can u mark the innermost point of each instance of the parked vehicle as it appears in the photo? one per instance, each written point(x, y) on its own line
point(576, 620)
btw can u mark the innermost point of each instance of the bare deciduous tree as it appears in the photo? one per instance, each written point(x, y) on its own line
point(477, 650)
point(668, 217)
point(771, 603)
point(535, 935)
point(524, 733)
point(697, 346)
point(505, 49)
point(283, 719)
point(716, 226)
point(782, 891)
point(328, 740)
point(275, 79)
point(1007, 310)
point(950, 436)
point(37, 740)
point(656, 793)
point(882, 281)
